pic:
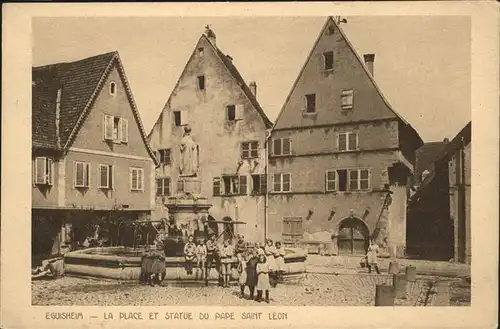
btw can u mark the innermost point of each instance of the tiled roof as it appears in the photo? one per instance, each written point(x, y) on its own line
point(241, 82)
point(78, 81)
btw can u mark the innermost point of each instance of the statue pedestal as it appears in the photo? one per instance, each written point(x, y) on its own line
point(188, 208)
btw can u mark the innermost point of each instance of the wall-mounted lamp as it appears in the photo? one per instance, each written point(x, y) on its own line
point(366, 213)
point(309, 214)
point(332, 213)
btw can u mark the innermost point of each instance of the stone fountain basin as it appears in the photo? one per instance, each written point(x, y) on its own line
point(124, 263)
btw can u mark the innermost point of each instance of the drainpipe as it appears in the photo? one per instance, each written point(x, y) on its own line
point(266, 201)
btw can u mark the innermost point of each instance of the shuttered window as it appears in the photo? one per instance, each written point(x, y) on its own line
point(115, 129)
point(82, 174)
point(43, 171)
point(216, 186)
point(105, 176)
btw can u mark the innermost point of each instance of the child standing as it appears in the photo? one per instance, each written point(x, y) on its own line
point(189, 254)
point(242, 271)
point(263, 278)
point(280, 260)
point(270, 252)
point(226, 255)
point(201, 257)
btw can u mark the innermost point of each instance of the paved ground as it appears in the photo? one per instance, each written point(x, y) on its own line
point(350, 265)
point(312, 290)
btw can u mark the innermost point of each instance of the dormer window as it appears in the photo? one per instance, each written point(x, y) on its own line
point(112, 88)
point(310, 103)
point(328, 57)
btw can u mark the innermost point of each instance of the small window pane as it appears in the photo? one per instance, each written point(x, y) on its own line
point(286, 182)
point(342, 142)
point(277, 182)
point(311, 103)
point(364, 174)
point(277, 146)
point(231, 112)
point(352, 141)
point(286, 146)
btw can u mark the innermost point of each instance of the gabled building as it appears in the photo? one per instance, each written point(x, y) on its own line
point(439, 212)
point(341, 158)
point(229, 126)
point(89, 151)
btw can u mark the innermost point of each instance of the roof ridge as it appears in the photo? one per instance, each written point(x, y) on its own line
point(114, 52)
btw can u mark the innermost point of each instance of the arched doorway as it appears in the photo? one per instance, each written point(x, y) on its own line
point(228, 228)
point(353, 237)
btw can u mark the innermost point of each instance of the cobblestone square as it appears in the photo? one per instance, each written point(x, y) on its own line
point(310, 290)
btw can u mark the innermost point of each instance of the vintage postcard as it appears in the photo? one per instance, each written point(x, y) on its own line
point(250, 165)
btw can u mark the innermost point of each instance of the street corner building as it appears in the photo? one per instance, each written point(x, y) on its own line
point(341, 159)
point(90, 155)
point(213, 108)
point(439, 209)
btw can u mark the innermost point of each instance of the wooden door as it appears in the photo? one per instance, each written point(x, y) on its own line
point(353, 237)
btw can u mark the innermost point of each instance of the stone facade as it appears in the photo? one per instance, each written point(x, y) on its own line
point(208, 89)
point(349, 156)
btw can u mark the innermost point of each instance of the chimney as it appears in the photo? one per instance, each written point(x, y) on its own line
point(58, 117)
point(369, 59)
point(210, 35)
point(253, 88)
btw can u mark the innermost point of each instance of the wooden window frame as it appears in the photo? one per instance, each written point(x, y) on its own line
point(249, 147)
point(141, 181)
point(346, 145)
point(281, 139)
point(48, 171)
point(86, 179)
point(110, 177)
point(349, 95)
point(281, 175)
point(325, 55)
point(163, 186)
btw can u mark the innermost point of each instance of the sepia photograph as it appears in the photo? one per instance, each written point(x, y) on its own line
point(251, 161)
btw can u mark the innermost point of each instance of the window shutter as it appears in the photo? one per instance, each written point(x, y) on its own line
point(216, 186)
point(342, 141)
point(352, 141)
point(103, 176)
point(239, 112)
point(277, 146)
point(277, 182)
point(124, 130)
point(78, 181)
point(40, 170)
point(108, 127)
point(159, 187)
point(243, 185)
point(50, 171)
point(286, 146)
point(87, 175)
point(140, 179)
point(286, 182)
point(357, 141)
point(263, 183)
point(184, 117)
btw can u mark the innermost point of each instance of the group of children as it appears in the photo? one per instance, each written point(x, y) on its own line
point(259, 267)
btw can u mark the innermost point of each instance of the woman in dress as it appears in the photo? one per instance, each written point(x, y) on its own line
point(372, 256)
point(263, 278)
point(270, 252)
point(280, 260)
point(156, 266)
point(242, 271)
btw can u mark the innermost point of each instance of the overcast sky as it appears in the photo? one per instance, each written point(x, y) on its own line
point(422, 64)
